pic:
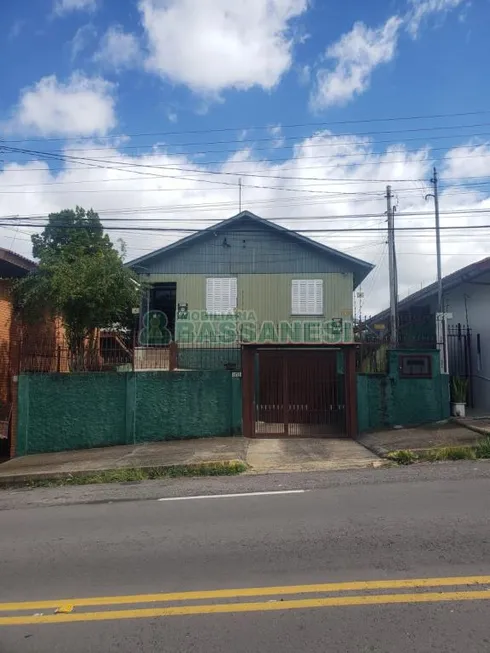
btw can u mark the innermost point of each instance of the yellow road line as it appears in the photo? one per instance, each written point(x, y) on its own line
point(249, 591)
point(267, 606)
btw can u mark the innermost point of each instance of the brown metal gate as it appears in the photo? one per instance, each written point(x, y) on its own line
point(298, 393)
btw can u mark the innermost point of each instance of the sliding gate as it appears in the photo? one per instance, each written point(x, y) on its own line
point(298, 393)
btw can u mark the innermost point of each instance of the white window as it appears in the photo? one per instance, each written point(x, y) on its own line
point(221, 295)
point(307, 297)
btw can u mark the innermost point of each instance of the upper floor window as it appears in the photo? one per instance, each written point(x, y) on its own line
point(221, 295)
point(307, 297)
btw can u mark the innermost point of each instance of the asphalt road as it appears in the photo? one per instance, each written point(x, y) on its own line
point(318, 570)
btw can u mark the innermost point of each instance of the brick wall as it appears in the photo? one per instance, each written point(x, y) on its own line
point(35, 344)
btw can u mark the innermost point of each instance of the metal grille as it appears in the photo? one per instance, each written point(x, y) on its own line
point(459, 355)
point(298, 393)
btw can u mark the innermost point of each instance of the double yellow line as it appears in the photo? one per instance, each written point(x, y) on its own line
point(214, 606)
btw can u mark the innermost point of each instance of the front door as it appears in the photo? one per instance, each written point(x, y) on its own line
point(163, 297)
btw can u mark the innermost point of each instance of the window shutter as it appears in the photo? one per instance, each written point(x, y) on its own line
point(221, 295)
point(307, 297)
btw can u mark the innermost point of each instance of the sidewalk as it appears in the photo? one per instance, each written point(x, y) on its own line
point(261, 456)
point(429, 436)
point(479, 425)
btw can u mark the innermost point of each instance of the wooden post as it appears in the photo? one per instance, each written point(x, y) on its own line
point(248, 382)
point(173, 356)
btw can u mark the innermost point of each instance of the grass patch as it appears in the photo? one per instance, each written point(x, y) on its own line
point(451, 453)
point(482, 449)
point(136, 474)
point(403, 457)
point(408, 457)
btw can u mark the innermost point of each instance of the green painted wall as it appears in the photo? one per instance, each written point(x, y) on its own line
point(386, 400)
point(59, 412)
point(269, 295)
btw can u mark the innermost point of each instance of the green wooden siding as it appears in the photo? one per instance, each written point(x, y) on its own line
point(268, 295)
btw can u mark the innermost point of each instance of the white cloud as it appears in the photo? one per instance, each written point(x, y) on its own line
point(276, 132)
point(81, 40)
point(82, 106)
point(118, 49)
point(334, 180)
point(15, 29)
point(359, 52)
point(213, 45)
point(304, 74)
point(420, 10)
point(65, 6)
point(470, 161)
point(355, 55)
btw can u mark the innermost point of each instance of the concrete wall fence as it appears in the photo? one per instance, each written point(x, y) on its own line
point(59, 412)
point(387, 400)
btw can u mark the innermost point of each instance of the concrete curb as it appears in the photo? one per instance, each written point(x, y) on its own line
point(22, 480)
point(379, 451)
point(471, 427)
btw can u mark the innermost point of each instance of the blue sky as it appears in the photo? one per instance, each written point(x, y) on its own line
point(211, 89)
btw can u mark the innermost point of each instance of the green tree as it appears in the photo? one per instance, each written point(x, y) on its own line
point(81, 278)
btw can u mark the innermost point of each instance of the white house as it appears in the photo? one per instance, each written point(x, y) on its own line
point(466, 296)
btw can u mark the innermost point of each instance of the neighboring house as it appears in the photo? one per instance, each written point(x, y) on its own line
point(466, 297)
point(22, 346)
point(248, 283)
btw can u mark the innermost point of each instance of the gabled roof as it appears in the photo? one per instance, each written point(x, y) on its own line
point(14, 265)
point(468, 273)
point(360, 268)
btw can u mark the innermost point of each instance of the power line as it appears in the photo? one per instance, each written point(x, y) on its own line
point(275, 139)
point(353, 216)
point(377, 193)
point(361, 143)
point(94, 163)
point(101, 163)
point(250, 128)
point(326, 180)
point(301, 231)
point(379, 163)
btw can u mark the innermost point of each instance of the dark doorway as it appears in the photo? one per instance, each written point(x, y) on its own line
point(163, 297)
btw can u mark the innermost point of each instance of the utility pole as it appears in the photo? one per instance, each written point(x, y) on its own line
point(440, 320)
point(440, 306)
point(392, 270)
point(239, 195)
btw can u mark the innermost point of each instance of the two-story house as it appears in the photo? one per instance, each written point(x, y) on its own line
point(248, 284)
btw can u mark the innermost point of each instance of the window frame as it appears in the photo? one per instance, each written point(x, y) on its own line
point(299, 313)
point(229, 311)
point(421, 375)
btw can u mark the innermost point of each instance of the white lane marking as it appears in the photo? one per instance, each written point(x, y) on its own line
point(230, 496)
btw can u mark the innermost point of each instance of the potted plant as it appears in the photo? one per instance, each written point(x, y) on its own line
point(459, 390)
